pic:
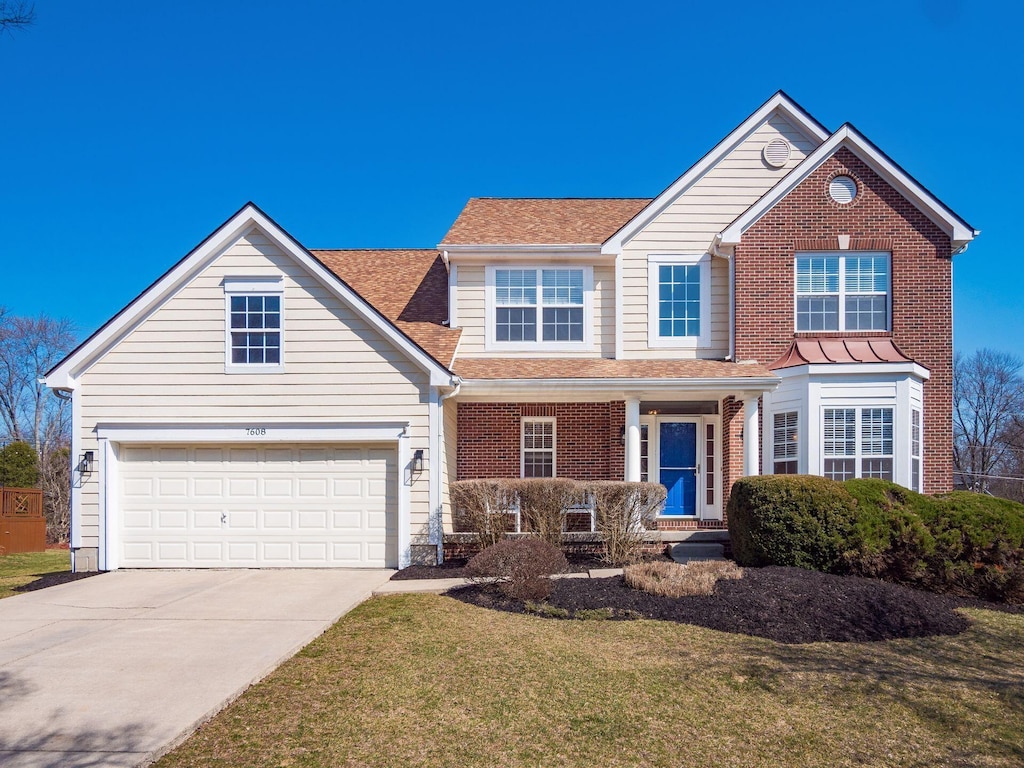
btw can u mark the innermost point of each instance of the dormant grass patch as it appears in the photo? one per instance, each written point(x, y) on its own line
point(678, 579)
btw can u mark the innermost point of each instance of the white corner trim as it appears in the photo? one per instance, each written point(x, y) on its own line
point(847, 136)
point(453, 296)
point(75, 534)
point(780, 103)
point(654, 338)
point(404, 500)
point(619, 322)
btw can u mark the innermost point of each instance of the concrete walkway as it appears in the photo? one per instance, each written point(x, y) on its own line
point(116, 669)
point(437, 586)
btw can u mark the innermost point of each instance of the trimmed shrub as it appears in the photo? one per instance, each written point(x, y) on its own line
point(623, 511)
point(542, 505)
point(963, 543)
point(482, 507)
point(519, 567)
point(889, 539)
point(19, 465)
point(680, 580)
point(797, 520)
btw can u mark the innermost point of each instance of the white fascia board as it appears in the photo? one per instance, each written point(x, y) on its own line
point(185, 270)
point(485, 254)
point(959, 231)
point(253, 430)
point(851, 370)
point(582, 389)
point(779, 103)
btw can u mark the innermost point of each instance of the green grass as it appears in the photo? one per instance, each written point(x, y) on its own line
point(423, 680)
point(26, 567)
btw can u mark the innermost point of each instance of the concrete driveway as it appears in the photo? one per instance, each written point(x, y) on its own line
point(115, 669)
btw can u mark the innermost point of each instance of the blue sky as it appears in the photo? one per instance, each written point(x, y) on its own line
point(130, 130)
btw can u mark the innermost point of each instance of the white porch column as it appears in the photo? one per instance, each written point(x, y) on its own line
point(633, 439)
point(751, 438)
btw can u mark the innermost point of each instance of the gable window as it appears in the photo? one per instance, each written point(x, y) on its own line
point(679, 300)
point(538, 448)
point(858, 442)
point(784, 443)
point(255, 326)
point(842, 292)
point(539, 306)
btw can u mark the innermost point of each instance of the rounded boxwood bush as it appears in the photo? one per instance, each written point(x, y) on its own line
point(520, 567)
point(798, 520)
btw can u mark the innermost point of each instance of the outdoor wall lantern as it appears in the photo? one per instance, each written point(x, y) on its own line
point(417, 461)
point(85, 464)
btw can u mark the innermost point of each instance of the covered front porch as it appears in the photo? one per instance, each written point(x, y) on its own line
point(695, 436)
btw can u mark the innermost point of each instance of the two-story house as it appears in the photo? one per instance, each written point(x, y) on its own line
point(784, 306)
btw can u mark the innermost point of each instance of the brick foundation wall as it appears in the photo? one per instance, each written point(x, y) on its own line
point(879, 218)
point(588, 439)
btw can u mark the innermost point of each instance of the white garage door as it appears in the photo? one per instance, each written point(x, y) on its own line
point(268, 506)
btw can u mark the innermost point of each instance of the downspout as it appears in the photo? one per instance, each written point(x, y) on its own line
point(436, 476)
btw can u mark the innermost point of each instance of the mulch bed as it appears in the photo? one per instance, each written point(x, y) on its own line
point(454, 568)
point(788, 605)
point(53, 579)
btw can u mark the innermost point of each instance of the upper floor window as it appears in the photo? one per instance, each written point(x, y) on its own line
point(842, 292)
point(255, 326)
point(679, 300)
point(533, 306)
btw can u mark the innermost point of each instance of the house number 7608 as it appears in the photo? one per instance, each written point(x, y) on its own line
point(255, 431)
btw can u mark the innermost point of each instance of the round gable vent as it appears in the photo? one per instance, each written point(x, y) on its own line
point(776, 152)
point(842, 189)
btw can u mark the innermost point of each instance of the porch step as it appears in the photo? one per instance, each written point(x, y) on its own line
point(685, 551)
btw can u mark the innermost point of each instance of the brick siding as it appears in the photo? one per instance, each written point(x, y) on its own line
point(588, 439)
point(879, 218)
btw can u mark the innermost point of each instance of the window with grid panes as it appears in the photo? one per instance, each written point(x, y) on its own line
point(858, 442)
point(538, 448)
point(842, 292)
point(538, 305)
point(255, 322)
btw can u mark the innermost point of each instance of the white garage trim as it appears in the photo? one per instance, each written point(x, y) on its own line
point(249, 431)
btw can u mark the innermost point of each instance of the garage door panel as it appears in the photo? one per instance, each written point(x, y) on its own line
point(242, 506)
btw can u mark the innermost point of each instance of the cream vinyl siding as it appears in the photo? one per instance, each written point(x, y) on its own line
point(688, 226)
point(337, 368)
point(471, 295)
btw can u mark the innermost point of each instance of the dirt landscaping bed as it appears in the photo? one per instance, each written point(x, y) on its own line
point(788, 605)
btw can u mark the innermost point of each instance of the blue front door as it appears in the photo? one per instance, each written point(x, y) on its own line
point(677, 454)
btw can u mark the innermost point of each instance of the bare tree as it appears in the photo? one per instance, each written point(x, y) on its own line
point(29, 347)
point(16, 14)
point(988, 399)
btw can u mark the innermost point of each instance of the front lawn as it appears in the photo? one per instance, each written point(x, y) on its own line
point(26, 567)
point(424, 680)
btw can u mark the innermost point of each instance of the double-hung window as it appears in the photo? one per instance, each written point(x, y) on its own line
point(679, 300)
point(255, 327)
point(858, 442)
point(540, 306)
point(538, 448)
point(842, 291)
point(785, 457)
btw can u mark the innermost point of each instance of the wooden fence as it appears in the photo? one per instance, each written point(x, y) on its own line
point(22, 524)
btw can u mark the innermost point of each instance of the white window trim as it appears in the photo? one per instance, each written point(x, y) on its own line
point(842, 256)
point(587, 345)
point(858, 456)
point(654, 338)
point(522, 442)
point(243, 286)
